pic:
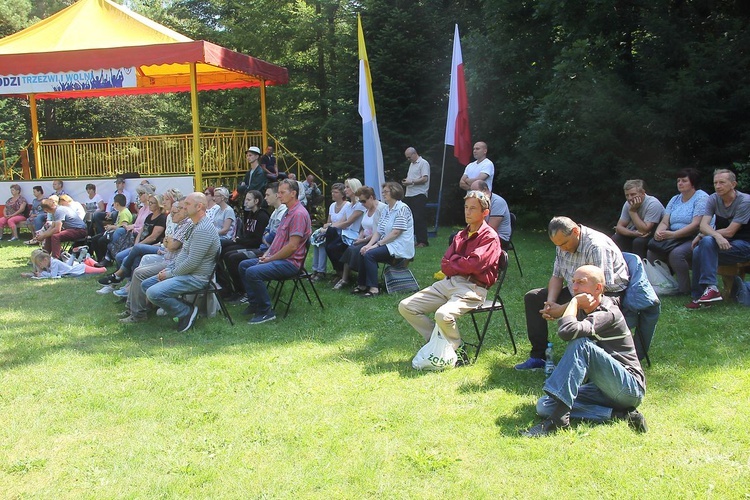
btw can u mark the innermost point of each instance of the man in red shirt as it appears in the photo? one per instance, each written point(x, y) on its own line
point(470, 268)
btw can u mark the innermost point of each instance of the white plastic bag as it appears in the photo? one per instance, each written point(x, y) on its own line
point(660, 278)
point(435, 355)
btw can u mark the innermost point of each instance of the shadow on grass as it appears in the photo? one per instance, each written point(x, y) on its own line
point(40, 318)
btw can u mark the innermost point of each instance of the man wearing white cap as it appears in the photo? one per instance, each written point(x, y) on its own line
point(255, 178)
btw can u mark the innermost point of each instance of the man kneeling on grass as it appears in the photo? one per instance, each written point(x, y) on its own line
point(599, 377)
point(470, 268)
point(191, 269)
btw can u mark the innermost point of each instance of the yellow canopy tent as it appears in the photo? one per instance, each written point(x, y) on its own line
point(99, 48)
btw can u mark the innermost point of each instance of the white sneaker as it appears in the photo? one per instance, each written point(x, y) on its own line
point(161, 312)
point(106, 289)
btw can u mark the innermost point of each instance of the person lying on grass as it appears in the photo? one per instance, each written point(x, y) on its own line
point(47, 266)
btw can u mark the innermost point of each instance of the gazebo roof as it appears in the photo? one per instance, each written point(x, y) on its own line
point(71, 53)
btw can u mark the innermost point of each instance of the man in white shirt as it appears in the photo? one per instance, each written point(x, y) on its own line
point(417, 184)
point(482, 169)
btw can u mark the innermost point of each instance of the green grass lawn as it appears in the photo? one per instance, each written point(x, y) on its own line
point(324, 404)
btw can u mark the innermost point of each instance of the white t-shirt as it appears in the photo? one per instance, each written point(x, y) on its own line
point(92, 204)
point(485, 166)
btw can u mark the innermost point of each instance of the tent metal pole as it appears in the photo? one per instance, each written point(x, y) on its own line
point(263, 124)
point(196, 127)
point(35, 136)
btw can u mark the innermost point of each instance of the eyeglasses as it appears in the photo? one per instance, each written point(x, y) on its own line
point(484, 200)
point(153, 202)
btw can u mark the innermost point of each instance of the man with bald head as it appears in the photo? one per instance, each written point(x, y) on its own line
point(191, 269)
point(499, 216)
point(482, 169)
point(417, 185)
point(599, 376)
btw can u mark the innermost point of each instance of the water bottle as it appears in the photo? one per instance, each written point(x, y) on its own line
point(549, 360)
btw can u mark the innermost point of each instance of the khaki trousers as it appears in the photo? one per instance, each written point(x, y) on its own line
point(448, 299)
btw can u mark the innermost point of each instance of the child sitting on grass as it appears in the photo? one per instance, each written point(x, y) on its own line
point(46, 266)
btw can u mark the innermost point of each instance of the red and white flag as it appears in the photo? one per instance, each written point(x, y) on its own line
point(457, 132)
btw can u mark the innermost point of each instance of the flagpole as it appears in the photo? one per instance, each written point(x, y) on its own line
point(440, 193)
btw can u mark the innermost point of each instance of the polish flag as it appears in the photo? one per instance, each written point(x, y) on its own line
point(457, 132)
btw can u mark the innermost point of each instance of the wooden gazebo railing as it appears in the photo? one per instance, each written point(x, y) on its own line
point(222, 157)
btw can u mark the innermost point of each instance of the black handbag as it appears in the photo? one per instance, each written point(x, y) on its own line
point(666, 246)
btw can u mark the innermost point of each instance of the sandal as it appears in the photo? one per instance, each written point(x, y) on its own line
point(370, 295)
point(32, 241)
point(358, 290)
point(340, 284)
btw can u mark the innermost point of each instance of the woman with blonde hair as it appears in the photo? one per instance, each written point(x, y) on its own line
point(67, 201)
point(225, 219)
point(337, 212)
point(340, 235)
point(147, 242)
point(50, 267)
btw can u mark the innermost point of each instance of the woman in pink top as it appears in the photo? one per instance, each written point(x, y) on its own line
point(15, 210)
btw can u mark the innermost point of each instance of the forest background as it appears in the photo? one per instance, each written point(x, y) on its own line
point(572, 97)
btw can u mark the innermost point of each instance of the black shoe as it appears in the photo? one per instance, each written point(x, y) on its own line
point(545, 428)
point(637, 421)
point(109, 280)
point(235, 299)
point(463, 357)
point(187, 321)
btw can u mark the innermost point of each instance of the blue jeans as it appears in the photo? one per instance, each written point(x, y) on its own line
point(610, 386)
point(644, 322)
point(706, 259)
point(320, 259)
point(99, 217)
point(254, 277)
point(39, 221)
point(119, 233)
point(368, 266)
point(130, 258)
point(164, 293)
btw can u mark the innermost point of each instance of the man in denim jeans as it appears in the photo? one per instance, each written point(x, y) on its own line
point(191, 269)
point(727, 243)
point(599, 376)
point(282, 260)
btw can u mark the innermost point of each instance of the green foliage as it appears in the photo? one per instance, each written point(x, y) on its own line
point(573, 98)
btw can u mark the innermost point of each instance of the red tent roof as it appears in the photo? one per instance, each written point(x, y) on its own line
point(93, 35)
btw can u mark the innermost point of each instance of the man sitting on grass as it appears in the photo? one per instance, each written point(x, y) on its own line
point(192, 268)
point(470, 268)
point(599, 377)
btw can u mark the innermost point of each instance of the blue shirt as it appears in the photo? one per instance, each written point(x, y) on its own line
point(681, 213)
